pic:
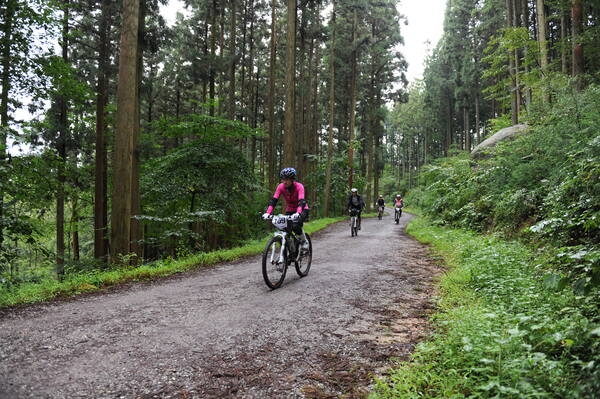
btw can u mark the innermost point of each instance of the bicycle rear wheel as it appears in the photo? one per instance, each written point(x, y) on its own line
point(272, 269)
point(305, 260)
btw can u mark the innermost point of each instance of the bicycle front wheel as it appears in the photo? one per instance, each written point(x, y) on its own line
point(303, 263)
point(274, 266)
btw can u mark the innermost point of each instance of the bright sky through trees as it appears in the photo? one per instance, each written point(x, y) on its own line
point(424, 29)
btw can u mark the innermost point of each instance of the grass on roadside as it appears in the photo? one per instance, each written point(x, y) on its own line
point(75, 284)
point(499, 331)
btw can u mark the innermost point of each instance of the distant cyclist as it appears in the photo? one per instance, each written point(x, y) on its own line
point(398, 205)
point(398, 201)
point(380, 206)
point(295, 204)
point(355, 202)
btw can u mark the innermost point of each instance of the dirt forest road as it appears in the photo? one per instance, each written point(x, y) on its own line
point(220, 332)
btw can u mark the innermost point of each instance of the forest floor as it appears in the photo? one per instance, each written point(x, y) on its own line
point(219, 332)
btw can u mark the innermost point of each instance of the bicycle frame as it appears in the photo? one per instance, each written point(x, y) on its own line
point(283, 250)
point(353, 223)
point(284, 240)
point(285, 231)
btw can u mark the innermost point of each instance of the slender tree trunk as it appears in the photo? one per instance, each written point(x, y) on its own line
point(232, 54)
point(75, 227)
point(270, 153)
point(302, 96)
point(352, 115)
point(578, 61)
point(136, 205)
point(477, 118)
point(564, 20)
point(5, 42)
point(253, 82)
point(467, 128)
point(313, 144)
point(126, 125)
point(213, 56)
point(542, 34)
point(62, 153)
point(223, 73)
point(327, 198)
point(100, 193)
point(246, 59)
point(514, 101)
point(289, 155)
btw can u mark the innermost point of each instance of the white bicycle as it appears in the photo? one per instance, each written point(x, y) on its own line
point(283, 249)
point(354, 223)
point(397, 214)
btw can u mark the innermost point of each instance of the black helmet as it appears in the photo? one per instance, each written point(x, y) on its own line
point(287, 173)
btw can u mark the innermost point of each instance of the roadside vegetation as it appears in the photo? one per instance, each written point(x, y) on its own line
point(503, 328)
point(75, 283)
point(518, 312)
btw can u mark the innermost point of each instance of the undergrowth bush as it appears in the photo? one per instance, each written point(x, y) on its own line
point(542, 187)
point(501, 331)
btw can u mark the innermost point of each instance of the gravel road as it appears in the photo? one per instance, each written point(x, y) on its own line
point(219, 332)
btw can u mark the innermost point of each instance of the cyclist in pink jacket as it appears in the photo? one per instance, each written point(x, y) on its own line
point(295, 203)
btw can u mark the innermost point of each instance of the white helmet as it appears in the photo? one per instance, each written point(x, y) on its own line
point(354, 190)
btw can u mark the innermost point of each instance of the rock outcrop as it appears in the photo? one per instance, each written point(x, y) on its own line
point(486, 146)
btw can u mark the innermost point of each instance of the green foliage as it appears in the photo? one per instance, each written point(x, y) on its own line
point(500, 330)
point(204, 184)
point(45, 288)
point(339, 184)
point(505, 43)
point(547, 178)
point(206, 127)
point(517, 322)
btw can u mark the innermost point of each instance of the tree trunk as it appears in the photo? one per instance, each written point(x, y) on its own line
point(270, 150)
point(542, 34)
point(512, 67)
point(75, 227)
point(232, 54)
point(213, 56)
point(62, 153)
point(125, 131)
point(477, 118)
point(315, 120)
point(289, 156)
point(564, 20)
point(100, 194)
point(352, 115)
point(467, 128)
point(136, 205)
point(7, 28)
point(327, 198)
point(578, 62)
point(303, 63)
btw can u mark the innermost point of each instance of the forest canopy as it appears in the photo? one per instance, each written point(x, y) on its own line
point(133, 121)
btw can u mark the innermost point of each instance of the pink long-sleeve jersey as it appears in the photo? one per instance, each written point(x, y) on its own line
point(293, 198)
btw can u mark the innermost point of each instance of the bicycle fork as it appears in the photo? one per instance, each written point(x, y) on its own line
point(281, 257)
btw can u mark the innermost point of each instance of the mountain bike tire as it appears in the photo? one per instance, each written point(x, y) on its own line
point(274, 274)
point(305, 260)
